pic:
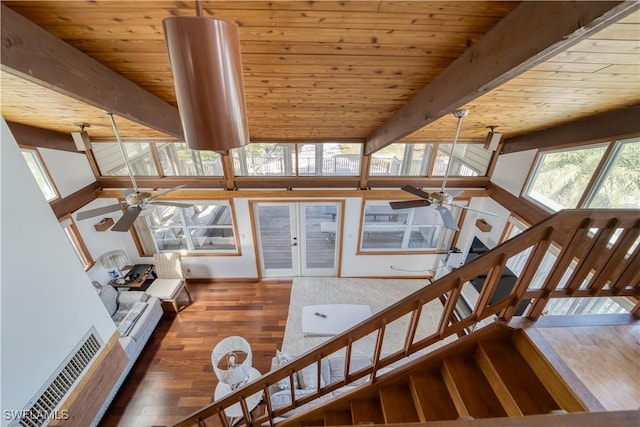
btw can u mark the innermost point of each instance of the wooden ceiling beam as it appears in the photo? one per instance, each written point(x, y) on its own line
point(531, 34)
point(605, 125)
point(37, 56)
point(43, 138)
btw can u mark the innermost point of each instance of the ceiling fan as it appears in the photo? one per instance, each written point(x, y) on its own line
point(135, 200)
point(441, 199)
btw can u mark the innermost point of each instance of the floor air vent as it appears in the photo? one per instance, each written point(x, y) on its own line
point(43, 409)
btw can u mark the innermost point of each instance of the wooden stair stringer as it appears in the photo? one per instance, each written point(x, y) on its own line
point(565, 387)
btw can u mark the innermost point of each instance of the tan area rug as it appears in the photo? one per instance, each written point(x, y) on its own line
point(376, 293)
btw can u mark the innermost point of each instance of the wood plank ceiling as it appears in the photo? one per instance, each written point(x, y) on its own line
point(331, 70)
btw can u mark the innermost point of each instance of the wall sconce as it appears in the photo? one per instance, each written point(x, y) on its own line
point(207, 74)
point(483, 225)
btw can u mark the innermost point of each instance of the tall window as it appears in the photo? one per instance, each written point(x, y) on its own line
point(80, 249)
point(417, 229)
point(467, 160)
point(39, 172)
point(288, 159)
point(602, 175)
point(179, 160)
point(329, 159)
point(203, 227)
point(401, 160)
point(109, 159)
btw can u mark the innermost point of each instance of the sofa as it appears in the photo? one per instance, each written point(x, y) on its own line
point(306, 380)
point(136, 316)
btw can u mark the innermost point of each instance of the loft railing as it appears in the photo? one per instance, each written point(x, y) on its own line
point(597, 254)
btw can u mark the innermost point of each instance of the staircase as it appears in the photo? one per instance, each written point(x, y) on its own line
point(498, 373)
point(594, 253)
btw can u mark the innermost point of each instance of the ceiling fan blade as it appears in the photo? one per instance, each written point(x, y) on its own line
point(415, 191)
point(127, 220)
point(99, 211)
point(472, 209)
point(409, 204)
point(447, 218)
point(177, 205)
point(163, 192)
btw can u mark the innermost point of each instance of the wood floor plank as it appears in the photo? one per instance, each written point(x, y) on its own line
point(173, 376)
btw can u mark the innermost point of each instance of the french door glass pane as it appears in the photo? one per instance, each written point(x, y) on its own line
point(320, 235)
point(275, 236)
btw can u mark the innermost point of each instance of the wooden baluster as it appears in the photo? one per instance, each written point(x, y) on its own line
point(489, 287)
point(452, 300)
point(223, 418)
point(378, 350)
point(318, 372)
point(567, 254)
point(528, 272)
point(597, 249)
point(413, 326)
point(347, 360)
point(245, 410)
point(631, 274)
point(201, 423)
point(615, 259)
point(269, 407)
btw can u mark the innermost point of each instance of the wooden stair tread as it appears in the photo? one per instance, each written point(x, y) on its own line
point(432, 398)
point(337, 418)
point(366, 411)
point(397, 404)
point(523, 384)
point(473, 387)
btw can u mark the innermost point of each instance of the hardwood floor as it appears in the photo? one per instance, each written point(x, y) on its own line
point(173, 376)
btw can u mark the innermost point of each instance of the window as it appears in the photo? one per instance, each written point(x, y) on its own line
point(39, 172)
point(561, 177)
point(73, 234)
point(619, 183)
point(110, 162)
point(178, 160)
point(264, 159)
point(417, 229)
point(468, 160)
point(203, 227)
point(329, 159)
point(401, 160)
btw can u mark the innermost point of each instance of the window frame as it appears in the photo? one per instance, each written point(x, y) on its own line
point(612, 149)
point(186, 228)
point(42, 167)
point(75, 238)
point(445, 236)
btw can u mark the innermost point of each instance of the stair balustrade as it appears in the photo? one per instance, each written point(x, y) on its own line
point(597, 254)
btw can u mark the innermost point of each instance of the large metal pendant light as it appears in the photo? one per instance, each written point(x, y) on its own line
point(207, 73)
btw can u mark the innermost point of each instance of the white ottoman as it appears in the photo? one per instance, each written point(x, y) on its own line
point(332, 319)
point(167, 290)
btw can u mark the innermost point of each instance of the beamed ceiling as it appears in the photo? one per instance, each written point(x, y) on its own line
point(374, 71)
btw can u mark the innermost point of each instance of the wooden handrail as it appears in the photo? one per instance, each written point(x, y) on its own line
point(583, 240)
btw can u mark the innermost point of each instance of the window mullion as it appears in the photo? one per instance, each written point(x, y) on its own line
point(186, 230)
point(607, 159)
point(407, 230)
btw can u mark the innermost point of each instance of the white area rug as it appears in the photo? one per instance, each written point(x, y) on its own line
point(376, 293)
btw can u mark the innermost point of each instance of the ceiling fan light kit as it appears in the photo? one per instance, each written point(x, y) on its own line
point(207, 71)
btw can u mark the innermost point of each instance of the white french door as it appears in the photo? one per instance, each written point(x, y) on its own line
point(297, 239)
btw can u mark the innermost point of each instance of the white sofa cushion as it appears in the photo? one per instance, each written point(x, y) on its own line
point(109, 297)
point(281, 360)
point(308, 376)
point(357, 362)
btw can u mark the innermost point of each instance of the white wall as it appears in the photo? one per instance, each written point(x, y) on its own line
point(48, 303)
point(512, 169)
point(59, 163)
point(510, 173)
